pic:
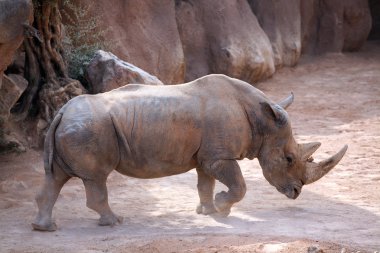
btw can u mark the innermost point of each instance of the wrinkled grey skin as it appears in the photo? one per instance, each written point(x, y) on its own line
point(156, 131)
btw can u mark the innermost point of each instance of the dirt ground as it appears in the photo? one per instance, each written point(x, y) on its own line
point(337, 102)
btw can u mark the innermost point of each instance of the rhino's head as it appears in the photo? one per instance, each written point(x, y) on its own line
point(286, 164)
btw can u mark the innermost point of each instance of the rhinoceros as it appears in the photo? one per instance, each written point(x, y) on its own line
point(155, 131)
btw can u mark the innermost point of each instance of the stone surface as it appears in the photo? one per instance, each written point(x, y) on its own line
point(106, 72)
point(182, 40)
point(309, 28)
point(334, 25)
point(143, 33)
point(52, 98)
point(374, 6)
point(222, 36)
point(357, 24)
point(13, 14)
point(11, 90)
point(18, 63)
point(281, 21)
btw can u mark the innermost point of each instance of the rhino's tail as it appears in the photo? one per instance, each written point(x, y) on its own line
point(50, 143)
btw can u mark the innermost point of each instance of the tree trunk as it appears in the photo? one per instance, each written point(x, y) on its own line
point(45, 67)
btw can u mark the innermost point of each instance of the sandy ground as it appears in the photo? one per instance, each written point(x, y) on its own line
point(337, 102)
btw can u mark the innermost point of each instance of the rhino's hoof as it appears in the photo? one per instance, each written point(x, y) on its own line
point(50, 227)
point(110, 220)
point(223, 213)
point(221, 204)
point(205, 209)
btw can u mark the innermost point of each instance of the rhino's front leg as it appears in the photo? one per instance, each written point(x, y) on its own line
point(227, 172)
point(206, 185)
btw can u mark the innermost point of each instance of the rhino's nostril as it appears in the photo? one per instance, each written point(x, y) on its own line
point(297, 192)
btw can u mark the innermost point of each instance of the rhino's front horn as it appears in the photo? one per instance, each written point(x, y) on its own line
point(315, 171)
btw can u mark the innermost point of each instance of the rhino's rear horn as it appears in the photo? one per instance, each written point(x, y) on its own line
point(315, 171)
point(308, 149)
point(287, 101)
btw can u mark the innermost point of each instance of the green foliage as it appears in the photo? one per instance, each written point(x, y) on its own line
point(83, 38)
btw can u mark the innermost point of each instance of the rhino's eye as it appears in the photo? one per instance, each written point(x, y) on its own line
point(290, 159)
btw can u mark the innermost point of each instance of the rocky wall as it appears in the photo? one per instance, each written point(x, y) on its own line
point(143, 33)
point(281, 21)
point(14, 15)
point(180, 40)
point(334, 25)
point(223, 36)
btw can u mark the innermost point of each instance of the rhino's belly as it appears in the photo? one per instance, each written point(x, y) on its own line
point(153, 168)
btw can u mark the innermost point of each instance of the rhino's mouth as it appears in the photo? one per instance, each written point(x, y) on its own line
point(294, 193)
point(291, 191)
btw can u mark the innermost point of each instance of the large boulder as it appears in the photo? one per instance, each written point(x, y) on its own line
point(18, 63)
point(357, 24)
point(14, 15)
point(222, 36)
point(309, 27)
point(53, 97)
point(281, 21)
point(143, 33)
point(334, 25)
point(106, 72)
point(11, 90)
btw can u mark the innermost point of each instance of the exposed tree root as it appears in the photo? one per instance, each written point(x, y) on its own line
point(45, 68)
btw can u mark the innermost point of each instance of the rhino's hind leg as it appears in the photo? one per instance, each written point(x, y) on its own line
point(206, 185)
point(227, 172)
point(97, 200)
point(47, 197)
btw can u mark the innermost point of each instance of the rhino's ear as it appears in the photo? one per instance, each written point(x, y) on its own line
point(275, 112)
